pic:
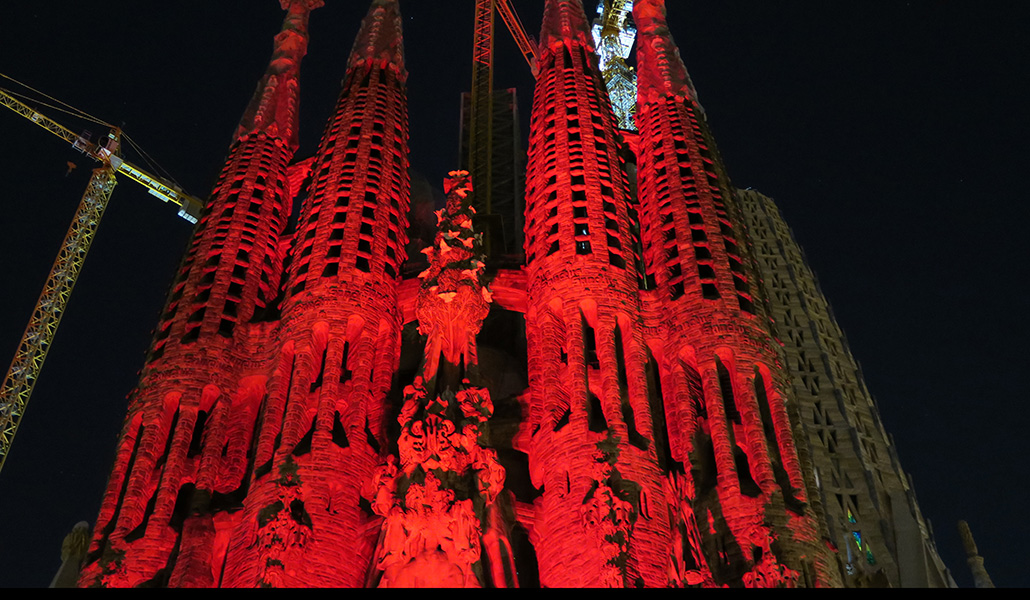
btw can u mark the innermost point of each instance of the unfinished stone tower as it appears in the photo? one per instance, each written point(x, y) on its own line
point(614, 412)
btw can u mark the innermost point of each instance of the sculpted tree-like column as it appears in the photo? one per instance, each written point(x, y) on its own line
point(438, 500)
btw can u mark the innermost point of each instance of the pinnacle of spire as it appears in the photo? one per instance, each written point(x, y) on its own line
point(380, 38)
point(660, 69)
point(976, 562)
point(274, 108)
point(565, 20)
point(309, 4)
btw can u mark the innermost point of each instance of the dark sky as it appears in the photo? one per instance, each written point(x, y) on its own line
point(892, 134)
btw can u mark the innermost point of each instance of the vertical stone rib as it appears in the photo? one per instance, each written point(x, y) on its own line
point(121, 470)
point(211, 470)
point(727, 470)
point(754, 435)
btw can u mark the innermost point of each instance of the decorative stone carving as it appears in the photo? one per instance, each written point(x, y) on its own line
point(438, 499)
point(692, 570)
point(611, 517)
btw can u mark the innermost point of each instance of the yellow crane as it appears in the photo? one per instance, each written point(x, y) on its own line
point(525, 43)
point(480, 149)
point(39, 334)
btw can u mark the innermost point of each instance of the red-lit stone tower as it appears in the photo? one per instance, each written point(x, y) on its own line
point(601, 519)
point(251, 429)
point(194, 380)
point(742, 514)
point(322, 431)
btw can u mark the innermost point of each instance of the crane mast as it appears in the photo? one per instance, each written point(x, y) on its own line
point(39, 334)
point(481, 114)
point(46, 316)
point(492, 210)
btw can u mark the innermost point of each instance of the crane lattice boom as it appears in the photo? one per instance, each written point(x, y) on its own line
point(481, 113)
point(525, 43)
point(35, 342)
point(189, 207)
point(39, 334)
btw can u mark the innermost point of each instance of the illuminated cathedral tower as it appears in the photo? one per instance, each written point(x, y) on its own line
point(725, 387)
point(870, 505)
point(601, 519)
point(322, 428)
point(258, 417)
point(280, 435)
point(182, 458)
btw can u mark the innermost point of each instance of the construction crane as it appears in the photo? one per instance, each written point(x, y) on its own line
point(525, 43)
point(481, 111)
point(614, 35)
point(39, 334)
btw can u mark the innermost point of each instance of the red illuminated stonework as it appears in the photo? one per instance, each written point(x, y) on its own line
point(184, 446)
point(723, 384)
point(289, 430)
point(438, 501)
point(337, 339)
point(602, 519)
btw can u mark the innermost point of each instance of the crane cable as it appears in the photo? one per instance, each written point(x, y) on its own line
point(153, 164)
point(71, 110)
point(75, 112)
point(27, 98)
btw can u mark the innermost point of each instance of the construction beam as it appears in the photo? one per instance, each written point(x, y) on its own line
point(525, 43)
point(189, 207)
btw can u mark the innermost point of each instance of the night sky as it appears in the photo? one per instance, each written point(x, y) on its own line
point(893, 135)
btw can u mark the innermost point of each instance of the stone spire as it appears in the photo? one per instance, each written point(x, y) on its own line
point(230, 275)
point(453, 302)
point(565, 21)
point(976, 562)
point(591, 450)
point(726, 394)
point(380, 39)
point(274, 107)
point(355, 214)
point(322, 431)
point(660, 68)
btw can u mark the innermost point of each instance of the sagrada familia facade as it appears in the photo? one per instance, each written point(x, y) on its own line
point(618, 411)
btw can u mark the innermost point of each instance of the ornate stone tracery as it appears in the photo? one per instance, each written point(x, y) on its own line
point(438, 498)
